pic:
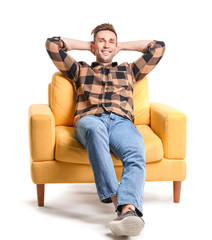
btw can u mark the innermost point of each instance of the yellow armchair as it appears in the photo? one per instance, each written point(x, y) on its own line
point(56, 157)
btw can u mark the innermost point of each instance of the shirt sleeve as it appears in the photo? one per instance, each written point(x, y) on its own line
point(57, 49)
point(151, 57)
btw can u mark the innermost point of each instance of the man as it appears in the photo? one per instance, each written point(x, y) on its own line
point(104, 117)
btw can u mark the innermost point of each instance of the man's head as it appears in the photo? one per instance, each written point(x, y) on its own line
point(104, 45)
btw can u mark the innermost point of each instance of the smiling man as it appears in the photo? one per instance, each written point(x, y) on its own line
point(105, 46)
point(104, 117)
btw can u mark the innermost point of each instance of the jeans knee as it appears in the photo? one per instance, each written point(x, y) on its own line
point(135, 156)
point(95, 131)
point(91, 127)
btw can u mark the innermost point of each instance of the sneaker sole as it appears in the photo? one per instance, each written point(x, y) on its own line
point(129, 226)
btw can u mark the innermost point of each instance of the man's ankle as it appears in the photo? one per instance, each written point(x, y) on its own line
point(125, 208)
point(114, 200)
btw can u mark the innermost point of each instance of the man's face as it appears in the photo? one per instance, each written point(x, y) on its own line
point(105, 46)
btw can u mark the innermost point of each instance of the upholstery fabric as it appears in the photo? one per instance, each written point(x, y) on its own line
point(62, 172)
point(170, 125)
point(41, 132)
point(141, 103)
point(70, 150)
point(62, 100)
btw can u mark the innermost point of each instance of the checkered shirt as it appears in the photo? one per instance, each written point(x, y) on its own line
point(102, 88)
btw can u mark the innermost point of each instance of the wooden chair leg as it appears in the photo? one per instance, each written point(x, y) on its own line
point(176, 191)
point(40, 194)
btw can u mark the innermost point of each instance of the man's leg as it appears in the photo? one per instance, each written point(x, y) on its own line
point(114, 200)
point(91, 132)
point(127, 143)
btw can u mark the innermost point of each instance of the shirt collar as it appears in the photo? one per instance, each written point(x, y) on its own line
point(95, 64)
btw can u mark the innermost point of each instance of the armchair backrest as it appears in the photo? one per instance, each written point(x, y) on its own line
point(62, 101)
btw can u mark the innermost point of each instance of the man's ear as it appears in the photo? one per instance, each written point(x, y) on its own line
point(117, 49)
point(93, 48)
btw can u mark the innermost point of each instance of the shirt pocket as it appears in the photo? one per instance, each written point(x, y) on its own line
point(122, 83)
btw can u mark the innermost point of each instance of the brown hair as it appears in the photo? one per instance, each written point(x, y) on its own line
point(102, 27)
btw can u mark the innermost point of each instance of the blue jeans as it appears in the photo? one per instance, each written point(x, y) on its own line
point(112, 132)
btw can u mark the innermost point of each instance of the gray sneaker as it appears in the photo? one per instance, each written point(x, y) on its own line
point(127, 224)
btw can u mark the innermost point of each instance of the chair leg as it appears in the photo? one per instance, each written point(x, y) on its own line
point(40, 194)
point(176, 191)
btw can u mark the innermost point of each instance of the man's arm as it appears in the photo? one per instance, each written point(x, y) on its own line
point(57, 49)
point(73, 44)
point(134, 45)
point(152, 53)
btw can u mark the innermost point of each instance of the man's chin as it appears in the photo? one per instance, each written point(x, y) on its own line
point(103, 60)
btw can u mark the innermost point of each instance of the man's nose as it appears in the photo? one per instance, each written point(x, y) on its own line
point(106, 45)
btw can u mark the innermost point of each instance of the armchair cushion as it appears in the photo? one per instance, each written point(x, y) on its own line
point(62, 100)
point(70, 150)
point(41, 132)
point(170, 126)
point(141, 103)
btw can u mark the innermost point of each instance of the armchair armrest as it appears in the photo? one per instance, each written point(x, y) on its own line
point(41, 132)
point(170, 126)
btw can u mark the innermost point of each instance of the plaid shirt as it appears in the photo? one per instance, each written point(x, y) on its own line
point(102, 88)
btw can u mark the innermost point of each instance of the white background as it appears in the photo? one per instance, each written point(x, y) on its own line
point(182, 79)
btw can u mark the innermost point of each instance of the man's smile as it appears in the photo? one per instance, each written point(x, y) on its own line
point(106, 52)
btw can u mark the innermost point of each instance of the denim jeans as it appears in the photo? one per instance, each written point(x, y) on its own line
point(112, 132)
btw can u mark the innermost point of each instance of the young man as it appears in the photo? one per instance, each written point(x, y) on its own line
point(104, 117)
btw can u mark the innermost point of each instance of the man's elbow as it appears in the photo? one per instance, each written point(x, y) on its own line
point(51, 45)
point(48, 43)
point(161, 43)
point(160, 47)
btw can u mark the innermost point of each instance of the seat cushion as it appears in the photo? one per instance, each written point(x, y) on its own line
point(68, 149)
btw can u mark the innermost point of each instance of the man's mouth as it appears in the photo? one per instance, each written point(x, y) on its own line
point(106, 52)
